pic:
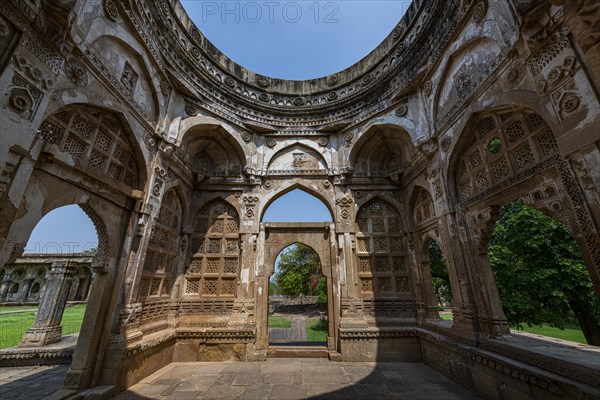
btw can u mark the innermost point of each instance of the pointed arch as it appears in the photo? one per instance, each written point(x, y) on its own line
point(382, 151)
point(304, 187)
point(212, 151)
point(421, 205)
point(99, 142)
point(497, 145)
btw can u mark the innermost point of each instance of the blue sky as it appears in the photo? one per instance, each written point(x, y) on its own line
point(300, 39)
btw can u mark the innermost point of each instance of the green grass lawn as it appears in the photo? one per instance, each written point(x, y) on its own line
point(572, 333)
point(446, 316)
point(13, 326)
point(16, 308)
point(316, 330)
point(279, 321)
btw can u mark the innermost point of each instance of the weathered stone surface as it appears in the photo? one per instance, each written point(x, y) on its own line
point(175, 152)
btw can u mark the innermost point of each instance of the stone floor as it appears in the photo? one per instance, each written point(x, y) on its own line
point(283, 379)
point(295, 334)
point(31, 383)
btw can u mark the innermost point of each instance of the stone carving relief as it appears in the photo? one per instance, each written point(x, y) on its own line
point(127, 75)
point(469, 68)
point(76, 72)
point(515, 75)
point(27, 87)
point(110, 10)
point(250, 202)
point(344, 204)
point(297, 159)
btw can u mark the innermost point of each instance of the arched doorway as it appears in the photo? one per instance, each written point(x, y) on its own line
point(317, 237)
point(298, 298)
point(53, 277)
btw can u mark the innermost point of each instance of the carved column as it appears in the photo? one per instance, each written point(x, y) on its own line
point(463, 300)
point(417, 280)
point(46, 328)
point(490, 314)
point(24, 295)
point(6, 281)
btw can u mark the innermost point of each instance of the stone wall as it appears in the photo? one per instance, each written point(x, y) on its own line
point(175, 152)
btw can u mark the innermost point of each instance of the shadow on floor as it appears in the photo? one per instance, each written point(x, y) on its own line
point(31, 383)
point(297, 379)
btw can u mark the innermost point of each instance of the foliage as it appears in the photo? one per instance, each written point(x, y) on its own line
point(299, 273)
point(439, 274)
point(91, 251)
point(278, 321)
point(540, 275)
point(317, 330)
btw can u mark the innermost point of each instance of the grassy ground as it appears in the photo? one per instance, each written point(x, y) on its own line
point(16, 308)
point(278, 321)
point(13, 326)
point(571, 332)
point(446, 316)
point(316, 330)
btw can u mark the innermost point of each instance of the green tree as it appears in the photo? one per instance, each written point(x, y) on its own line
point(299, 273)
point(439, 274)
point(540, 275)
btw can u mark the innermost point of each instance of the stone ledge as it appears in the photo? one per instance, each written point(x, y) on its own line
point(28, 357)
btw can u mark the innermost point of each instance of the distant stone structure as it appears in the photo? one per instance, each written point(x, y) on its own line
point(23, 281)
point(124, 108)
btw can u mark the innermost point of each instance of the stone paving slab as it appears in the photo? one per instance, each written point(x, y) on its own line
point(31, 383)
point(291, 379)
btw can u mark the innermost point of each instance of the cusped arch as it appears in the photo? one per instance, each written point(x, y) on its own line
point(382, 150)
point(271, 197)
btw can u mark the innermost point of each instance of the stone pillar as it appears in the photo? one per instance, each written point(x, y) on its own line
point(46, 328)
point(24, 295)
point(479, 228)
point(6, 281)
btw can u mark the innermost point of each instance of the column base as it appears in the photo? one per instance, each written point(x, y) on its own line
point(41, 336)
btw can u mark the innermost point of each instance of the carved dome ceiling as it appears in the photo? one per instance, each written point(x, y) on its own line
point(213, 82)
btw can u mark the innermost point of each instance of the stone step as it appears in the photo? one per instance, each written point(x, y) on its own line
point(298, 352)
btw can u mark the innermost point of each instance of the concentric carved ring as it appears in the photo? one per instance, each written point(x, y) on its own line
point(263, 81)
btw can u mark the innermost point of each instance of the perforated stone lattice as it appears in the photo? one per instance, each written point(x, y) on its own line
point(96, 139)
point(524, 139)
point(379, 247)
point(216, 227)
point(163, 247)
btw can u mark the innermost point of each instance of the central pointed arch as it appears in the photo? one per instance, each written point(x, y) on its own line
point(302, 192)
